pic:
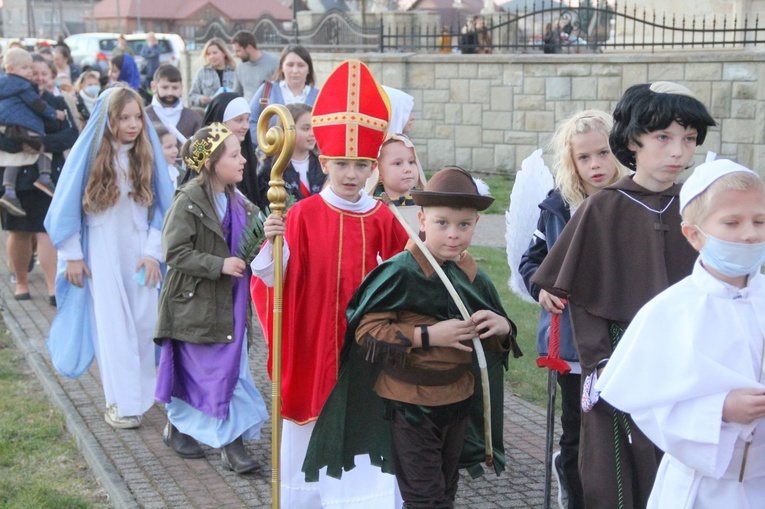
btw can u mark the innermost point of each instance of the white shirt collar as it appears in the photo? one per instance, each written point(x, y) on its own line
point(289, 97)
point(364, 204)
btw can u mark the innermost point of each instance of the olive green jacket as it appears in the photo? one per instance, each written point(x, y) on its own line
point(196, 301)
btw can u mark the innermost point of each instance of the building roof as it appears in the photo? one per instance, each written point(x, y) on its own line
point(182, 9)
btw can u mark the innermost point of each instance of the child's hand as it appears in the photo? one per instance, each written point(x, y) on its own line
point(449, 333)
point(61, 114)
point(153, 274)
point(743, 406)
point(75, 272)
point(273, 226)
point(550, 302)
point(488, 324)
point(233, 266)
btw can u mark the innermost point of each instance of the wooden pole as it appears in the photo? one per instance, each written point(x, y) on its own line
point(273, 141)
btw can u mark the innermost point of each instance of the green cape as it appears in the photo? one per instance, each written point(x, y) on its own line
point(351, 422)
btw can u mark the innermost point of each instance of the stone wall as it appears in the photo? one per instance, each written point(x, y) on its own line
point(488, 112)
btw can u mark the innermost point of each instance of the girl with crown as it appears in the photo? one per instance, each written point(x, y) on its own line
point(204, 374)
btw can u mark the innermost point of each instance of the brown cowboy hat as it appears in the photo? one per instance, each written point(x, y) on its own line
point(452, 187)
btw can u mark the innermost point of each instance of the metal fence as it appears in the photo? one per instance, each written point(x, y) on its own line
point(555, 28)
point(549, 27)
point(334, 32)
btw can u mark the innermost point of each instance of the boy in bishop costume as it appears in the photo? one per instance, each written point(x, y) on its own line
point(331, 241)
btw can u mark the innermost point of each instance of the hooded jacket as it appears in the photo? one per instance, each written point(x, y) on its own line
point(22, 105)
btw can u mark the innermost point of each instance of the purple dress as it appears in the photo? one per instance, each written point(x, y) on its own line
point(208, 388)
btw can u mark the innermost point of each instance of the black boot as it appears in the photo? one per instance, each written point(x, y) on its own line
point(183, 445)
point(235, 457)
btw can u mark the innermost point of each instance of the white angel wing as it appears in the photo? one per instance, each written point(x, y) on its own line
point(532, 183)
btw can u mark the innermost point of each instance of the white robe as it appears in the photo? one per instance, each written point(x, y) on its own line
point(123, 313)
point(366, 485)
point(680, 357)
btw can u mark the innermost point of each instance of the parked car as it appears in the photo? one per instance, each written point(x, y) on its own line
point(92, 49)
point(172, 47)
point(27, 42)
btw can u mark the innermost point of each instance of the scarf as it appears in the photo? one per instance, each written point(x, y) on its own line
point(89, 102)
point(168, 116)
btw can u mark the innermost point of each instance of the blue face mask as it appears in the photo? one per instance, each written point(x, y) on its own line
point(733, 259)
point(92, 90)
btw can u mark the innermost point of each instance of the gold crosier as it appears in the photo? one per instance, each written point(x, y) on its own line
point(273, 141)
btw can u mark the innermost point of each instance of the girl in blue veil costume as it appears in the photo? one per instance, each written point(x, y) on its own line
point(105, 220)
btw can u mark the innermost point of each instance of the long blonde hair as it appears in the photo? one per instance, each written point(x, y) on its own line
point(567, 179)
point(102, 190)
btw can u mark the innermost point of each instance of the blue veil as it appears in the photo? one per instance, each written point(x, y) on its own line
point(70, 340)
point(129, 72)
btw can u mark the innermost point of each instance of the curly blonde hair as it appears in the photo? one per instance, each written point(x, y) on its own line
point(567, 179)
point(102, 190)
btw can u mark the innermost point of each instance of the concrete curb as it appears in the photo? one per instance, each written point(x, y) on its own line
point(118, 492)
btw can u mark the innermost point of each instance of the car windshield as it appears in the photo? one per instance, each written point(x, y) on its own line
point(107, 44)
point(138, 45)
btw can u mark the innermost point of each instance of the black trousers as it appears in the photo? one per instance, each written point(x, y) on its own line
point(570, 420)
point(427, 442)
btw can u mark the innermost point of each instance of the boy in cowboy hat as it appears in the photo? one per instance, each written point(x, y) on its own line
point(418, 348)
point(332, 240)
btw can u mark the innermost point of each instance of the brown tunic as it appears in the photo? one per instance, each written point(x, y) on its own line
point(397, 327)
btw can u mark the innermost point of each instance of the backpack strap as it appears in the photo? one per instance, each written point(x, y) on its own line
point(264, 99)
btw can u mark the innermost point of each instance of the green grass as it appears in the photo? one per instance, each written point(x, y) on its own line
point(39, 464)
point(526, 379)
point(500, 186)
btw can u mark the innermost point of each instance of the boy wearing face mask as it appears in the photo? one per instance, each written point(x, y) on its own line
point(689, 368)
point(167, 104)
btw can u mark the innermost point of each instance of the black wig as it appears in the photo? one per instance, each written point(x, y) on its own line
point(641, 110)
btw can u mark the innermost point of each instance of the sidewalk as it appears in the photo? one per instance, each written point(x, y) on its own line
point(138, 470)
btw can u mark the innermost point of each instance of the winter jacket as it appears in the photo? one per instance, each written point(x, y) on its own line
point(60, 136)
point(553, 217)
point(196, 303)
point(21, 104)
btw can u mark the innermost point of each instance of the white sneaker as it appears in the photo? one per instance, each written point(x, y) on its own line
point(560, 477)
point(113, 419)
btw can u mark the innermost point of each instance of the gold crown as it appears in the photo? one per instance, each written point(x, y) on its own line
point(201, 150)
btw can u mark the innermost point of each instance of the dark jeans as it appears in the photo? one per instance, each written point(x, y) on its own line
point(570, 420)
point(426, 452)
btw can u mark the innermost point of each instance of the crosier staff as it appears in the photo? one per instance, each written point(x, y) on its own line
point(273, 141)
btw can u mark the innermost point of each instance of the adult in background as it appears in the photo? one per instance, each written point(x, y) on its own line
point(66, 69)
point(218, 74)
point(294, 84)
point(123, 68)
point(151, 53)
point(122, 47)
point(256, 66)
point(24, 231)
point(46, 79)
